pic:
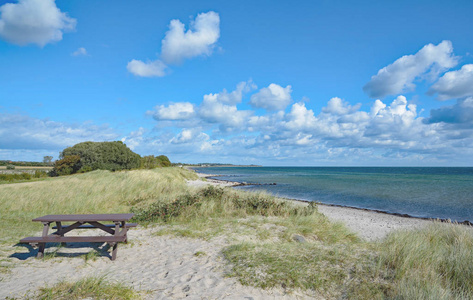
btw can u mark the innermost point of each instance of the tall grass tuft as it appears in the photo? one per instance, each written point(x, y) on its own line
point(430, 263)
point(88, 288)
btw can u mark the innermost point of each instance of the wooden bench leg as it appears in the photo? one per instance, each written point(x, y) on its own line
point(41, 247)
point(114, 251)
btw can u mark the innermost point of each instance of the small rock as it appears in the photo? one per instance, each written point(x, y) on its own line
point(299, 238)
point(186, 288)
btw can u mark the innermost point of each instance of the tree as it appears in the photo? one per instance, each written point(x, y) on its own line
point(111, 156)
point(163, 161)
point(69, 164)
point(48, 160)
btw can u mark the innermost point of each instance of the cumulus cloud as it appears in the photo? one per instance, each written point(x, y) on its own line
point(228, 116)
point(272, 98)
point(80, 52)
point(300, 117)
point(149, 69)
point(176, 111)
point(189, 135)
point(454, 84)
point(399, 76)
point(200, 39)
point(461, 113)
point(391, 131)
point(179, 45)
point(33, 22)
point(339, 107)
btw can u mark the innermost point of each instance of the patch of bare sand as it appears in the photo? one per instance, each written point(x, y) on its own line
point(167, 267)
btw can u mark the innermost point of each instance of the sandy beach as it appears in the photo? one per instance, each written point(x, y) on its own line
point(166, 267)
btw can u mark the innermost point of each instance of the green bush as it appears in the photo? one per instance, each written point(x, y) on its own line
point(151, 162)
point(10, 167)
point(69, 164)
point(15, 177)
point(163, 161)
point(113, 156)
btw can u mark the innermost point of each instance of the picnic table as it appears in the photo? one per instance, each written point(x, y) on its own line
point(117, 229)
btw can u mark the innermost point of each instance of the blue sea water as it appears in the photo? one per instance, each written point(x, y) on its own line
point(427, 192)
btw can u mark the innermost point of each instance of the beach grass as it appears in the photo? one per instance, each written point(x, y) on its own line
point(430, 263)
point(88, 288)
point(94, 192)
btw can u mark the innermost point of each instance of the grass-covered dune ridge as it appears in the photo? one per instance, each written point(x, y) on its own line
point(93, 192)
point(269, 242)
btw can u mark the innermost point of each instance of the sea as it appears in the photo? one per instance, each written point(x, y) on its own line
point(423, 192)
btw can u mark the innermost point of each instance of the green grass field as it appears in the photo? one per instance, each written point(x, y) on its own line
point(272, 242)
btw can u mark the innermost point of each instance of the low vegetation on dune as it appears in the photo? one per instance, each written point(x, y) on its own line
point(269, 242)
point(88, 288)
point(94, 192)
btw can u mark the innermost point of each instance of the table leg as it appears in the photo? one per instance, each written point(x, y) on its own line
point(43, 245)
point(114, 251)
point(59, 229)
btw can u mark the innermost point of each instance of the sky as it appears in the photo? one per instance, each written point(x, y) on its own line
point(274, 83)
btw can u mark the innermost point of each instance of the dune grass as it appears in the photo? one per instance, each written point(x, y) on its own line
point(88, 288)
point(94, 192)
point(431, 263)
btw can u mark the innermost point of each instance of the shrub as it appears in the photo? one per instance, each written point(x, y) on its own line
point(111, 156)
point(10, 167)
point(15, 177)
point(68, 165)
point(151, 162)
point(163, 161)
point(40, 174)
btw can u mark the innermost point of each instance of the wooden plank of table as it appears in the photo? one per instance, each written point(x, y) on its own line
point(85, 218)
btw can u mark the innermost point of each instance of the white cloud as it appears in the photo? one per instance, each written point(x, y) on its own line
point(272, 98)
point(342, 133)
point(178, 45)
point(33, 22)
point(189, 135)
point(454, 84)
point(339, 107)
point(460, 113)
point(150, 69)
point(399, 76)
point(235, 96)
point(176, 111)
point(228, 116)
point(200, 39)
point(300, 118)
point(80, 52)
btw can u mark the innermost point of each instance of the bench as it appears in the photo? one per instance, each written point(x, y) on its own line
point(118, 230)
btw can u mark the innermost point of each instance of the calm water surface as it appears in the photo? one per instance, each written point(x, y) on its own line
point(445, 193)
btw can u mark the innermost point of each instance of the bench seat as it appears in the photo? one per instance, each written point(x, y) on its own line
point(127, 225)
point(74, 239)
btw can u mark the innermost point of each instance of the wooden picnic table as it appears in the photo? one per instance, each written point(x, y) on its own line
point(117, 230)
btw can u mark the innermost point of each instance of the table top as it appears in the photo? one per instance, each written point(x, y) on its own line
point(85, 218)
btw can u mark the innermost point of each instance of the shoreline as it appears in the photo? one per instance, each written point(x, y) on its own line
point(211, 177)
point(369, 224)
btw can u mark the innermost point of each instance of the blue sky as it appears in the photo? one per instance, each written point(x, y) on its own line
point(319, 83)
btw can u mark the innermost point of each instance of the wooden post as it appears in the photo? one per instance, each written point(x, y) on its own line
point(43, 245)
point(114, 251)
